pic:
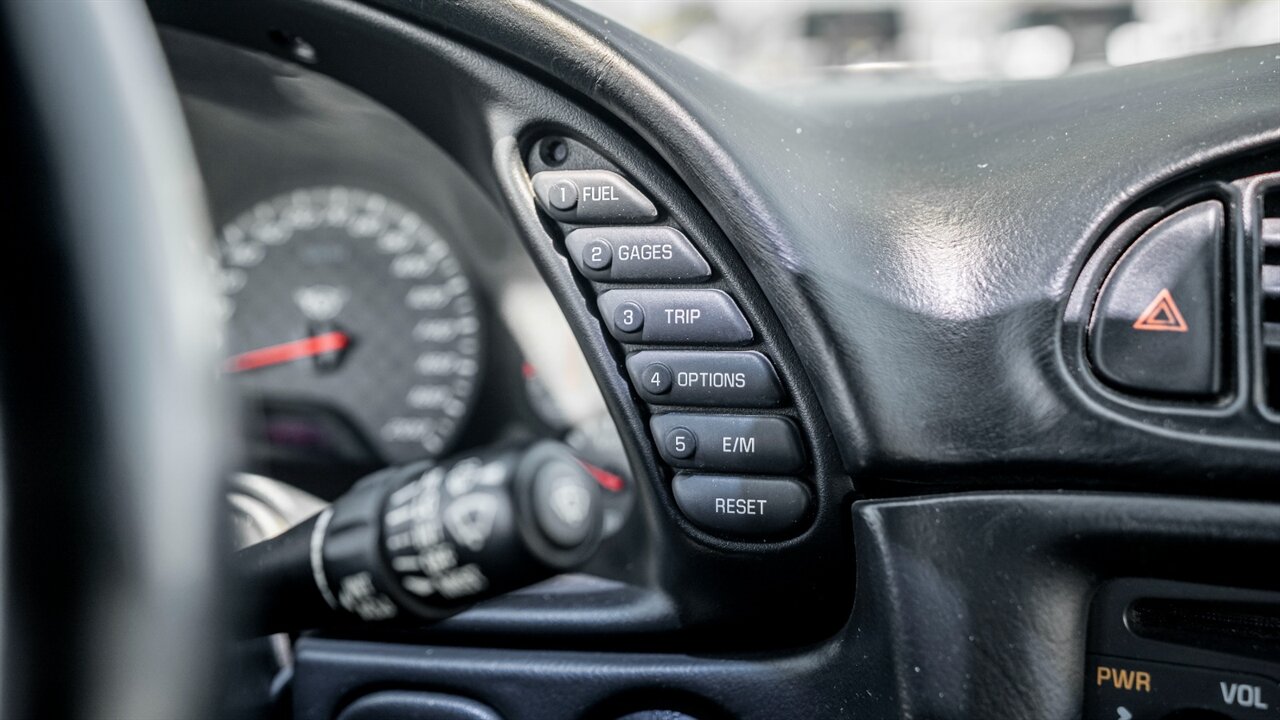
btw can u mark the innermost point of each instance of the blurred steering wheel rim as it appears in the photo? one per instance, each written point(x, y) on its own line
point(114, 437)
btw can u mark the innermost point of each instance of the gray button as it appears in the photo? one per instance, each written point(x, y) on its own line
point(563, 499)
point(602, 197)
point(597, 254)
point(752, 507)
point(652, 254)
point(563, 195)
point(655, 378)
point(707, 378)
point(680, 443)
point(628, 317)
point(679, 316)
point(733, 443)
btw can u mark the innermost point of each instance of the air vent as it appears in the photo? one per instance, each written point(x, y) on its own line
point(1271, 294)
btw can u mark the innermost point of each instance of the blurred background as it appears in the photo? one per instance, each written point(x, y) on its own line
point(774, 42)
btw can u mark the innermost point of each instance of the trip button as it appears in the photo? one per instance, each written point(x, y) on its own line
point(635, 254)
point(591, 197)
point(1156, 325)
point(628, 317)
point(676, 316)
point(755, 507)
point(729, 443)
point(712, 379)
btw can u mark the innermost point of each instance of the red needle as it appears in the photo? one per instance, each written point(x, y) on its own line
point(288, 352)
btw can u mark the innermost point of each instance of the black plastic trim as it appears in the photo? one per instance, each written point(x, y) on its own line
point(494, 112)
point(1236, 419)
point(970, 606)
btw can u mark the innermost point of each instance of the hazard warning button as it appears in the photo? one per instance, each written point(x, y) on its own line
point(1156, 325)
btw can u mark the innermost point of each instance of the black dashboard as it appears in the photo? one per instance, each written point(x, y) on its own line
point(904, 397)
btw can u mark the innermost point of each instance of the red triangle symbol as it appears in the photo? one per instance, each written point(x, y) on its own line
point(1161, 315)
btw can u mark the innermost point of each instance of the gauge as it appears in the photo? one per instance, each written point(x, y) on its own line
point(343, 301)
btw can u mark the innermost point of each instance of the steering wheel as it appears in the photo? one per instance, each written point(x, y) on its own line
point(112, 429)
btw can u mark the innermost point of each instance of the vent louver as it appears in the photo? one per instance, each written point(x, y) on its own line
point(1271, 295)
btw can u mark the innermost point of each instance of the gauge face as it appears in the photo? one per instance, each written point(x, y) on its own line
point(345, 302)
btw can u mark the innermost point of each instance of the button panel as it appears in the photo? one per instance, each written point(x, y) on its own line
point(635, 254)
point(696, 317)
point(608, 240)
point(705, 378)
point(591, 196)
point(742, 506)
point(729, 443)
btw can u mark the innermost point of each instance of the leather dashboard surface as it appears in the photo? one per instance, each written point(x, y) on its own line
point(922, 240)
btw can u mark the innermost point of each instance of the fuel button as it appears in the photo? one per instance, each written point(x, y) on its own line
point(591, 196)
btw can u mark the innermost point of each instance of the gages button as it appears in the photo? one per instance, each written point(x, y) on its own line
point(636, 254)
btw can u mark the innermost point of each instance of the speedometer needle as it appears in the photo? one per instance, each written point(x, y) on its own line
point(328, 342)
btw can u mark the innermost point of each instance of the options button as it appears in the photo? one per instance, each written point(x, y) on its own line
point(705, 378)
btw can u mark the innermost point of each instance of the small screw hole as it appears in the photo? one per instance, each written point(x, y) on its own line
point(299, 49)
point(554, 151)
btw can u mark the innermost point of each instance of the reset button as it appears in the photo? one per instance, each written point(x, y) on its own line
point(755, 507)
